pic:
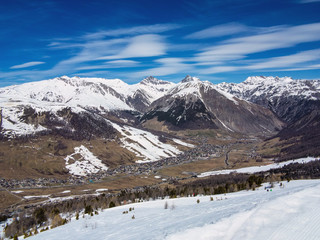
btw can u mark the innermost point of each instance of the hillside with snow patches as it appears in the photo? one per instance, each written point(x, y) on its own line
point(290, 211)
point(146, 145)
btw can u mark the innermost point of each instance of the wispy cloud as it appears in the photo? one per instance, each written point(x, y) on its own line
point(294, 62)
point(147, 45)
point(89, 53)
point(288, 61)
point(26, 65)
point(111, 64)
point(219, 31)
point(308, 1)
point(238, 48)
point(137, 30)
point(168, 66)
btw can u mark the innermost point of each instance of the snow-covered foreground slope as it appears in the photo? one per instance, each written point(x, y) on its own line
point(292, 212)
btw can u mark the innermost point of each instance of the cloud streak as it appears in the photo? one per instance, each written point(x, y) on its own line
point(219, 31)
point(26, 65)
point(138, 30)
point(239, 48)
point(294, 62)
point(168, 66)
point(147, 45)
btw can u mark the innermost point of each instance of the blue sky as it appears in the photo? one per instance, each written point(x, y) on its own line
point(215, 40)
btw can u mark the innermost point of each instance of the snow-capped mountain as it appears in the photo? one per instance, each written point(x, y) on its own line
point(196, 104)
point(107, 94)
point(51, 104)
point(111, 112)
point(297, 102)
point(289, 99)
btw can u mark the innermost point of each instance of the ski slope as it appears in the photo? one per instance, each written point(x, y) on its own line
point(292, 212)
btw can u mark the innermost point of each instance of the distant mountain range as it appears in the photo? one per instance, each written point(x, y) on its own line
point(90, 108)
point(189, 104)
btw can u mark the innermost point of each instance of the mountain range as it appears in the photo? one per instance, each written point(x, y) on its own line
point(83, 109)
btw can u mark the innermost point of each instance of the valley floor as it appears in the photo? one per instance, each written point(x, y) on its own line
point(289, 212)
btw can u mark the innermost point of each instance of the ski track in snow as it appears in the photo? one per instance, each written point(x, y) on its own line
point(292, 212)
point(256, 169)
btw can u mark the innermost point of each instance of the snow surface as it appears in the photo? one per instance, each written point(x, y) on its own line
point(192, 88)
point(18, 191)
point(82, 162)
point(66, 191)
point(288, 213)
point(36, 196)
point(145, 144)
point(183, 143)
point(101, 190)
point(273, 87)
point(256, 169)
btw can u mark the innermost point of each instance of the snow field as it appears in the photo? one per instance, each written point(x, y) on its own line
point(292, 212)
point(86, 164)
point(146, 145)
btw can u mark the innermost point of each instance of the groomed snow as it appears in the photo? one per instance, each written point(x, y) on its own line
point(83, 162)
point(291, 212)
point(256, 169)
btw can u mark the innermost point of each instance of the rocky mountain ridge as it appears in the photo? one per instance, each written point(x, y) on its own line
point(199, 104)
point(192, 103)
point(289, 99)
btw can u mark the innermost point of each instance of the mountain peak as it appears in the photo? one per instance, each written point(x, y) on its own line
point(154, 81)
point(151, 80)
point(188, 78)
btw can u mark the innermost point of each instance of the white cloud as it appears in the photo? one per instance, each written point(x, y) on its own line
point(168, 66)
point(287, 61)
point(26, 65)
point(147, 45)
point(219, 31)
point(111, 64)
point(308, 1)
point(137, 30)
point(295, 62)
point(238, 48)
point(220, 69)
point(124, 62)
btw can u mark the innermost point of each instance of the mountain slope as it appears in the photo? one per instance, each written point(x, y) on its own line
point(296, 102)
point(289, 99)
point(38, 106)
point(194, 104)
